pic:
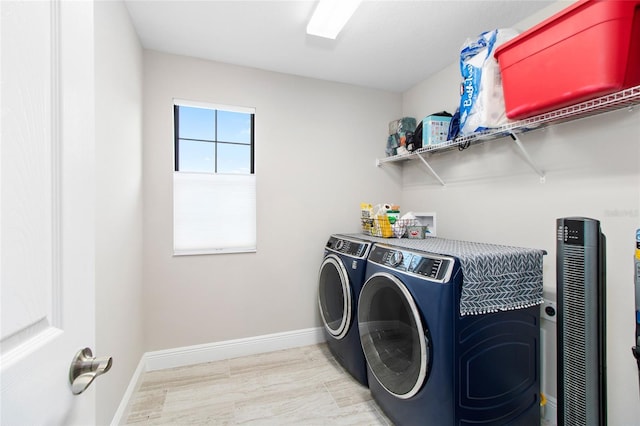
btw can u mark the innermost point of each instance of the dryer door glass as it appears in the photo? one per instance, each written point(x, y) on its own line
point(334, 297)
point(392, 335)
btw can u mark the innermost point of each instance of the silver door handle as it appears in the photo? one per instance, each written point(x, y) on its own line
point(85, 368)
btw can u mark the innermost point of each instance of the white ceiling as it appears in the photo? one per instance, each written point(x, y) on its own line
point(390, 45)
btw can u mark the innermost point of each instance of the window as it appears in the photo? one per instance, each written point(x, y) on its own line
point(214, 197)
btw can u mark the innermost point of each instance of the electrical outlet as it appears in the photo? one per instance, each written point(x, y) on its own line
point(548, 310)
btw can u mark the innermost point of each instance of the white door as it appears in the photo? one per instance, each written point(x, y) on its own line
point(46, 209)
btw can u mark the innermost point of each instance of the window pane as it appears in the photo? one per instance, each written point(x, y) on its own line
point(234, 127)
point(197, 123)
point(196, 156)
point(234, 158)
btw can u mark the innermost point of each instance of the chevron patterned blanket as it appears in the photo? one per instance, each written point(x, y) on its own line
point(494, 277)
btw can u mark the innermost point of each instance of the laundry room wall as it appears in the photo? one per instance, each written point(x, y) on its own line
point(592, 169)
point(118, 127)
point(316, 144)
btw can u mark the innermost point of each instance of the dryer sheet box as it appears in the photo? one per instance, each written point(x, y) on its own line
point(435, 129)
point(425, 228)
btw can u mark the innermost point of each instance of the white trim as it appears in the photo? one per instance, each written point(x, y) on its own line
point(56, 166)
point(216, 351)
point(122, 412)
point(26, 342)
point(214, 251)
point(209, 105)
point(551, 411)
point(189, 355)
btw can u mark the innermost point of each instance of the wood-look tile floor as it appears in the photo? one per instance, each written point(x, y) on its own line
point(300, 386)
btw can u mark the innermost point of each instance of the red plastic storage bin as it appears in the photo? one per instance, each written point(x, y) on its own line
point(588, 50)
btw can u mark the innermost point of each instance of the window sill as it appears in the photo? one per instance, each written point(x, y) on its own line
point(214, 251)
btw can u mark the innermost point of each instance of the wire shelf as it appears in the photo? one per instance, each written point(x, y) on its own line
point(614, 101)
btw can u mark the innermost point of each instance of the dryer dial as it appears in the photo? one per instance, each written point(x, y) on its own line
point(395, 258)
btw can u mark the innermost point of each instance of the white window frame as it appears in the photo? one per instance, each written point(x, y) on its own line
point(207, 228)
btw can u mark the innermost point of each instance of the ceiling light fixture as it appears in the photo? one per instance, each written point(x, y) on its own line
point(330, 17)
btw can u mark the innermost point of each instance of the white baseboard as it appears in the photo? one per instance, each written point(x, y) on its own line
point(551, 411)
point(216, 351)
point(121, 413)
point(189, 355)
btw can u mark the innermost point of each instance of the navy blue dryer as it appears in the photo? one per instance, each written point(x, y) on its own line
point(340, 279)
point(427, 364)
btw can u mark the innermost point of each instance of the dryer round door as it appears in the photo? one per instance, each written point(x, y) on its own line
point(334, 297)
point(394, 340)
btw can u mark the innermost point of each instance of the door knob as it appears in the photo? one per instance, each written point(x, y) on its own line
point(85, 368)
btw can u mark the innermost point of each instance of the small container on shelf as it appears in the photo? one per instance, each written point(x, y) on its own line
point(435, 128)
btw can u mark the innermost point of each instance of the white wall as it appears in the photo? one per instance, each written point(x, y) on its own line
point(316, 143)
point(592, 169)
point(118, 121)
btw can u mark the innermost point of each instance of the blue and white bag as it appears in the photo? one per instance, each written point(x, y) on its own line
point(481, 95)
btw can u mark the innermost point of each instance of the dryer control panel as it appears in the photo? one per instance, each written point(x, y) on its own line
point(359, 249)
point(429, 267)
point(426, 265)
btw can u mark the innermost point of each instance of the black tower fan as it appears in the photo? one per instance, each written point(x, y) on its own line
point(581, 285)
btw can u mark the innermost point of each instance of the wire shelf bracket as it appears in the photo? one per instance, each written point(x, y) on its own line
point(433, 172)
point(527, 157)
